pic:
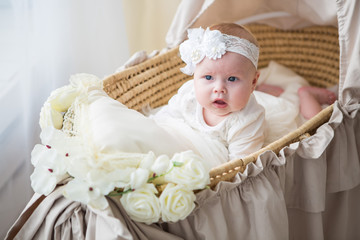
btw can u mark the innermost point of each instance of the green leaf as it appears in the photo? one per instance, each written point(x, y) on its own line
point(177, 164)
point(118, 193)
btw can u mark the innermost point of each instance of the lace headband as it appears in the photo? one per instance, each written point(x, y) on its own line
point(213, 44)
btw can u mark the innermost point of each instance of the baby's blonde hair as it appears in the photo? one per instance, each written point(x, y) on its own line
point(235, 30)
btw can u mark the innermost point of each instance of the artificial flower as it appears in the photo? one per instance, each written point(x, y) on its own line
point(104, 171)
point(49, 117)
point(62, 98)
point(58, 139)
point(78, 166)
point(177, 202)
point(201, 43)
point(83, 81)
point(50, 159)
point(120, 177)
point(94, 174)
point(161, 165)
point(50, 168)
point(213, 44)
point(191, 171)
point(147, 161)
point(142, 204)
point(138, 178)
point(119, 160)
point(102, 180)
point(82, 191)
point(191, 50)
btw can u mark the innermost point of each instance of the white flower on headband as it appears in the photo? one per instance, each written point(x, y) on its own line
point(190, 50)
point(213, 45)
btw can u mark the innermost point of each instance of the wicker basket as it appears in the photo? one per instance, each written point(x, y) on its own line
point(311, 52)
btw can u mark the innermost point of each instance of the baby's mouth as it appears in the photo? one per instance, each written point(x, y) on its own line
point(219, 103)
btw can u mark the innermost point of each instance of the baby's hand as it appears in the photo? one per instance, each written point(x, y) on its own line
point(270, 89)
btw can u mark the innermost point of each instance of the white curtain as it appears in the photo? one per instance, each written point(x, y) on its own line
point(147, 23)
point(42, 44)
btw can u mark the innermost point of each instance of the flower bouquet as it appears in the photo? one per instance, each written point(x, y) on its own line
point(151, 188)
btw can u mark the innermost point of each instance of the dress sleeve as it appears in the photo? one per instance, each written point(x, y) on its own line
point(247, 132)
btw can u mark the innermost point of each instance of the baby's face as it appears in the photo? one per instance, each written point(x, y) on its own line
point(224, 85)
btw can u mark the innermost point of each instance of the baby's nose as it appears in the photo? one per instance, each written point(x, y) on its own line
point(219, 87)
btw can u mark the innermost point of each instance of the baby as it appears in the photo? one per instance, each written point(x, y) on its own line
point(219, 101)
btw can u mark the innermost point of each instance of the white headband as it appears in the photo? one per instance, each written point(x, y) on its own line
point(213, 44)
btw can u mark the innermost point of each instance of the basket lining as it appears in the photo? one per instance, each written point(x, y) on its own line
point(311, 52)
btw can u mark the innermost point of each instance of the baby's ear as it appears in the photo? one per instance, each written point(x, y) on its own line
point(254, 82)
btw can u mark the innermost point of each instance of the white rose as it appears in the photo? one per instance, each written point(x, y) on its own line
point(189, 170)
point(82, 81)
point(50, 117)
point(62, 98)
point(142, 205)
point(177, 202)
point(161, 165)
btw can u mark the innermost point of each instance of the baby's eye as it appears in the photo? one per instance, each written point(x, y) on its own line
point(208, 77)
point(232, 79)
